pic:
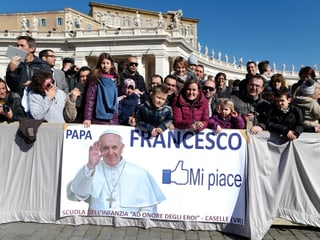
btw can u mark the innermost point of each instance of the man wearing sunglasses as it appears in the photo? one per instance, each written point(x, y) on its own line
point(132, 72)
point(209, 90)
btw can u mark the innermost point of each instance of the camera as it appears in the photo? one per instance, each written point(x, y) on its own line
point(80, 86)
point(79, 101)
point(6, 108)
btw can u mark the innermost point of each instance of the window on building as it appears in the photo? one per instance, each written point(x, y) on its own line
point(127, 22)
point(89, 26)
point(59, 21)
point(117, 21)
point(42, 22)
point(109, 20)
point(182, 31)
point(28, 23)
point(190, 32)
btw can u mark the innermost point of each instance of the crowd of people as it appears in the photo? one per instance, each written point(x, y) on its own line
point(184, 99)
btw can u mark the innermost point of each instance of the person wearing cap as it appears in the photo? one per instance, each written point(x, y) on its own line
point(192, 63)
point(109, 182)
point(70, 70)
point(305, 73)
point(306, 101)
point(128, 102)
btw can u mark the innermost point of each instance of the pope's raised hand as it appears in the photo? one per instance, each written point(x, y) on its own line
point(94, 155)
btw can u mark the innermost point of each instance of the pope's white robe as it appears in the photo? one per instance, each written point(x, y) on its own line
point(136, 190)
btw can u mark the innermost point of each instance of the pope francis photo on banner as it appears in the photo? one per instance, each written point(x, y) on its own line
point(109, 182)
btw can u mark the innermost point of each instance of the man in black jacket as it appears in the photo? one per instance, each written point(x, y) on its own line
point(19, 74)
point(132, 72)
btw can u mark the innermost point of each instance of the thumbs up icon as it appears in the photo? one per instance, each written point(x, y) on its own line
point(179, 175)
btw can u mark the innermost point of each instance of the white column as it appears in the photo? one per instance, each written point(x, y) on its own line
point(162, 65)
point(141, 67)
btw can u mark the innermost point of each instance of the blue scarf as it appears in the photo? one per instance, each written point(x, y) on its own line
point(107, 94)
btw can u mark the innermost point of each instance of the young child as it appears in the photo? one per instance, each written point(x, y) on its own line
point(226, 117)
point(154, 116)
point(285, 118)
point(128, 102)
point(102, 92)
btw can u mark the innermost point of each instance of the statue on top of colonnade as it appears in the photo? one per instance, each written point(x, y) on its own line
point(24, 23)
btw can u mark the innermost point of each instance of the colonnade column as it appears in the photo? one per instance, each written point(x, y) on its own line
point(141, 66)
point(162, 65)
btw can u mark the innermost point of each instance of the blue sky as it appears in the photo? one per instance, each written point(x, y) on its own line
point(283, 32)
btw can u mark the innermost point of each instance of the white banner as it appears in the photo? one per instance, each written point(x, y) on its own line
point(202, 176)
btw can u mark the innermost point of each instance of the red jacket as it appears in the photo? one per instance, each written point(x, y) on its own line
point(185, 113)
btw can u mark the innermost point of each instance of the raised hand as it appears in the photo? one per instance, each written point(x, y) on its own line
point(94, 155)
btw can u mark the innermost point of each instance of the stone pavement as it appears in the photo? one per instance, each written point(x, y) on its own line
point(37, 231)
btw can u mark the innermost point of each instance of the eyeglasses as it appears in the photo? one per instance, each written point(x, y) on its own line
point(206, 88)
point(52, 56)
point(133, 64)
point(50, 84)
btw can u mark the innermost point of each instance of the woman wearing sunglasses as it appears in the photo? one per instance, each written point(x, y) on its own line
point(46, 101)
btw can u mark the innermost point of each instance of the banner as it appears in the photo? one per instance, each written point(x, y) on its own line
point(192, 176)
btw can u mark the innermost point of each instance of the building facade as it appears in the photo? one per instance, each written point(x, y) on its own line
point(155, 38)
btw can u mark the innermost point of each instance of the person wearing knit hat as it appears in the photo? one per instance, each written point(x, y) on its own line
point(306, 101)
point(128, 102)
point(307, 88)
point(126, 84)
point(192, 62)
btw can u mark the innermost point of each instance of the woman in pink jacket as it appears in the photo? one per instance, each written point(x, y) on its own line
point(190, 107)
